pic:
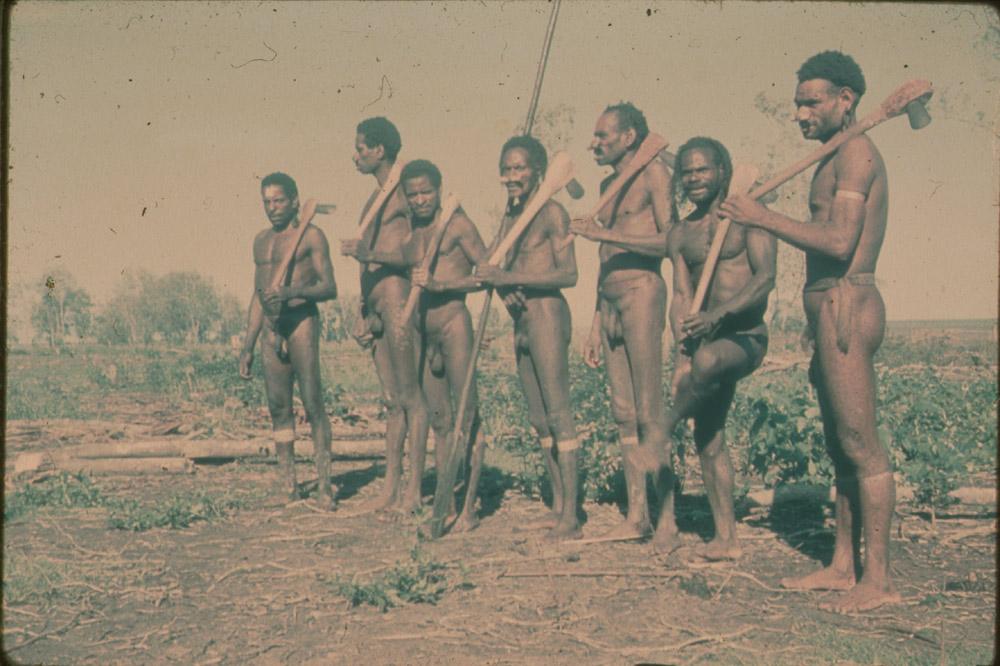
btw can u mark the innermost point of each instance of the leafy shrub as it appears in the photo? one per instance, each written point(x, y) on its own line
point(43, 397)
point(781, 423)
point(942, 430)
point(177, 512)
point(421, 580)
point(505, 420)
point(66, 490)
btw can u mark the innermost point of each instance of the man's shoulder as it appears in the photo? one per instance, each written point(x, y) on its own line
point(858, 148)
point(263, 235)
point(313, 234)
point(655, 174)
point(554, 213)
point(460, 223)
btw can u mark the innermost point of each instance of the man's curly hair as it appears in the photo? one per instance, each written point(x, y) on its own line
point(629, 117)
point(835, 67)
point(537, 156)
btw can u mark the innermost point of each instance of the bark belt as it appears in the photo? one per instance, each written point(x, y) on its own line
point(845, 301)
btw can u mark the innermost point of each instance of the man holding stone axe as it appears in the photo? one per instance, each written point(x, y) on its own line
point(292, 274)
point(632, 296)
point(543, 263)
point(384, 289)
point(845, 312)
point(719, 327)
point(441, 251)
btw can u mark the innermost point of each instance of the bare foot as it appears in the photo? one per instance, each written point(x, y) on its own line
point(824, 579)
point(718, 550)
point(325, 502)
point(545, 523)
point(864, 597)
point(648, 458)
point(627, 531)
point(666, 542)
point(564, 531)
point(380, 503)
point(408, 505)
point(465, 523)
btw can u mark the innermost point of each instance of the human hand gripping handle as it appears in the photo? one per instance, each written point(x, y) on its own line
point(559, 173)
point(650, 148)
point(447, 211)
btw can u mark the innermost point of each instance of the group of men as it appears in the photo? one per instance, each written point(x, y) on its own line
point(663, 211)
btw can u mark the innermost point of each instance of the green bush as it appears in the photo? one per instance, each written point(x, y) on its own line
point(177, 512)
point(780, 421)
point(942, 430)
point(505, 420)
point(66, 490)
point(421, 580)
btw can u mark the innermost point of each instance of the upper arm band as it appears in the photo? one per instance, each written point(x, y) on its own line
point(850, 194)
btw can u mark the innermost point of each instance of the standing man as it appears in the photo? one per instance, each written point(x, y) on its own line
point(293, 315)
point(849, 203)
point(632, 300)
point(384, 290)
point(722, 343)
point(543, 264)
point(443, 320)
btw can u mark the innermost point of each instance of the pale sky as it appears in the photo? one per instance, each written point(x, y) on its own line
point(180, 108)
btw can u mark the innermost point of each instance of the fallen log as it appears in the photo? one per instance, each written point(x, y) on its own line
point(180, 451)
point(32, 463)
point(818, 493)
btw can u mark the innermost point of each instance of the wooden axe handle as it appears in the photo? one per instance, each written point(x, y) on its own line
point(651, 146)
point(559, 173)
point(388, 187)
point(892, 106)
point(305, 216)
point(742, 180)
point(445, 215)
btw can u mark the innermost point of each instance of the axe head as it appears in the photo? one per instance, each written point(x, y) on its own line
point(916, 112)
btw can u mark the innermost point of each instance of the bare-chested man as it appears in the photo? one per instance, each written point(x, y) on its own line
point(727, 339)
point(443, 320)
point(632, 300)
point(543, 263)
point(849, 203)
point(291, 313)
point(383, 292)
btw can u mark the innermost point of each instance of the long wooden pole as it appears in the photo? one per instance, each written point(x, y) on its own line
point(446, 477)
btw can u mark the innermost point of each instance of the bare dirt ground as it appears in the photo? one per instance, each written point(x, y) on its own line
point(259, 586)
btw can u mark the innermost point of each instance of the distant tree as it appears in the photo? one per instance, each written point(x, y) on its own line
point(232, 317)
point(179, 308)
point(63, 310)
point(123, 319)
point(182, 307)
point(339, 317)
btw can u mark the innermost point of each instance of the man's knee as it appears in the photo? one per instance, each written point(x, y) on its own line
point(863, 451)
point(440, 419)
point(623, 412)
point(280, 410)
point(706, 366)
point(315, 412)
point(651, 427)
point(561, 425)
